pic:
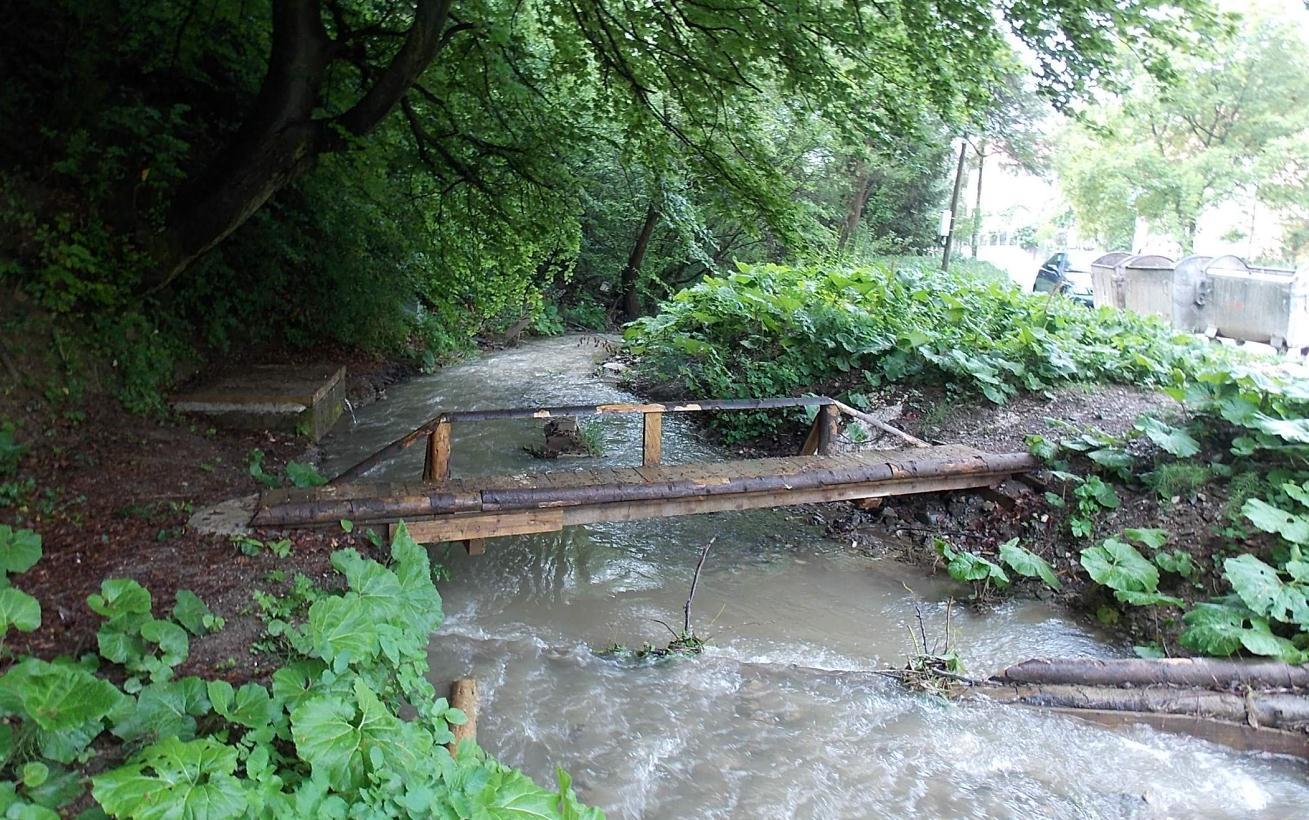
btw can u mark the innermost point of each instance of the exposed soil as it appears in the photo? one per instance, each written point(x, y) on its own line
point(110, 496)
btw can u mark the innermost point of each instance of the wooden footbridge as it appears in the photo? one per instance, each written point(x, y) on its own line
point(440, 508)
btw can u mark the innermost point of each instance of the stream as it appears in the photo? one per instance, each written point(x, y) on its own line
point(779, 717)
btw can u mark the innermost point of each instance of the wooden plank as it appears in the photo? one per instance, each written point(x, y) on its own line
point(485, 525)
point(437, 466)
point(669, 508)
point(652, 439)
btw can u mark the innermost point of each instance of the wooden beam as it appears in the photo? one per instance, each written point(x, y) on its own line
point(475, 546)
point(464, 526)
point(437, 466)
point(485, 525)
point(652, 439)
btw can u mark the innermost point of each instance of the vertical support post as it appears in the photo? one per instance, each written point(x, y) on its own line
point(437, 465)
point(652, 439)
point(475, 546)
point(463, 696)
point(828, 422)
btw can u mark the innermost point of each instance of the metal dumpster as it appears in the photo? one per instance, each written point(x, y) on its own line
point(1191, 294)
point(1255, 304)
point(1147, 285)
point(1106, 286)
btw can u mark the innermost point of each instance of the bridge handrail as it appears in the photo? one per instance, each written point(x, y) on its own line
point(437, 429)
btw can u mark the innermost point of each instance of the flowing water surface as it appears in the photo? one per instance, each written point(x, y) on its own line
point(780, 717)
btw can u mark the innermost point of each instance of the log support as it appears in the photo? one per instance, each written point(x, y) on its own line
point(463, 696)
point(652, 439)
point(437, 466)
point(829, 426)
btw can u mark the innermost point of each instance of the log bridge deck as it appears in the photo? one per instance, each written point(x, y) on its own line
point(440, 508)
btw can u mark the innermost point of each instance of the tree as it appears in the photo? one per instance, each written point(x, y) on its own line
point(1170, 149)
point(336, 70)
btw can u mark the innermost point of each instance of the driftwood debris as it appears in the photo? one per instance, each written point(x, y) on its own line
point(463, 696)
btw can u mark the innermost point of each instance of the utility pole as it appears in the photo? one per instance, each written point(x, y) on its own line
point(954, 202)
point(977, 209)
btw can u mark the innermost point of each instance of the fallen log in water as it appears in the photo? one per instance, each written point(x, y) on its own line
point(1275, 709)
point(1210, 673)
point(1247, 705)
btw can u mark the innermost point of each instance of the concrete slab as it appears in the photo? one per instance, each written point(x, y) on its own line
point(301, 399)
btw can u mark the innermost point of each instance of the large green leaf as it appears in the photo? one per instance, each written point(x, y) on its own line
point(174, 780)
point(119, 596)
point(56, 696)
point(1136, 598)
point(337, 737)
point(1214, 629)
point(171, 639)
point(967, 567)
point(1152, 537)
point(1172, 440)
point(190, 612)
point(1262, 589)
point(165, 708)
point(1259, 640)
point(19, 549)
point(1295, 431)
point(1117, 565)
point(378, 588)
point(1028, 563)
point(1294, 528)
point(250, 706)
point(19, 610)
point(340, 627)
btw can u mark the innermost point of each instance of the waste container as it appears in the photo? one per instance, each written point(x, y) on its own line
point(1191, 294)
point(1147, 285)
point(1106, 287)
point(1255, 304)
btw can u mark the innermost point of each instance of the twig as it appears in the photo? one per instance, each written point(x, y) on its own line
point(695, 580)
point(665, 625)
point(922, 630)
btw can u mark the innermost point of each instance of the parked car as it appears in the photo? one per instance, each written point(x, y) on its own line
point(1068, 273)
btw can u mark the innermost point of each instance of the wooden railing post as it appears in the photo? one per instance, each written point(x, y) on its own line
point(437, 465)
point(828, 422)
point(652, 439)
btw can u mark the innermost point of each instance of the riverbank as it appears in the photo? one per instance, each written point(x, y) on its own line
point(110, 493)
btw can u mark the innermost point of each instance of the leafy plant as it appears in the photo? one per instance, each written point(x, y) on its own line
point(774, 330)
point(1117, 565)
point(971, 568)
point(325, 739)
point(1027, 563)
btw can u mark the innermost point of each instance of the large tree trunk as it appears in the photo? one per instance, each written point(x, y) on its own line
point(280, 139)
point(632, 271)
point(854, 212)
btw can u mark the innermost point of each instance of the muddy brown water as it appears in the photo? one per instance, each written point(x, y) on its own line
point(779, 717)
